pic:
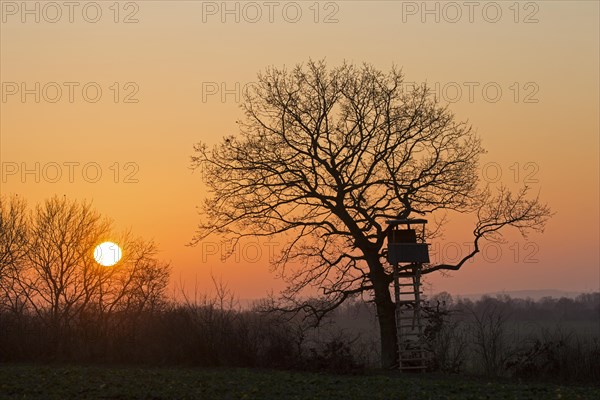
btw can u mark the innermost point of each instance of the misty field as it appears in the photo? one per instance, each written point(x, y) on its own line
point(78, 382)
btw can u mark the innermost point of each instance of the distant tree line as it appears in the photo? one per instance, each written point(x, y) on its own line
point(58, 305)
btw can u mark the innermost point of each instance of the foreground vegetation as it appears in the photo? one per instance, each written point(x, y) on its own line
point(69, 382)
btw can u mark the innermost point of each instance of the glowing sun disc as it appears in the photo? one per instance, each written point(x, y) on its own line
point(107, 254)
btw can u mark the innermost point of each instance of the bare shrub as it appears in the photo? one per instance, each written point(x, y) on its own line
point(446, 335)
point(488, 329)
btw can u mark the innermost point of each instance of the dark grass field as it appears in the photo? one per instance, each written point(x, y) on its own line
point(79, 382)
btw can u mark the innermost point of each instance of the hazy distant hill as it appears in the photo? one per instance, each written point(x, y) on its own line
point(515, 294)
point(523, 294)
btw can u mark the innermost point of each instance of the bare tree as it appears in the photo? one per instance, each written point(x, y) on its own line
point(13, 233)
point(489, 334)
point(13, 249)
point(143, 278)
point(61, 278)
point(60, 275)
point(324, 157)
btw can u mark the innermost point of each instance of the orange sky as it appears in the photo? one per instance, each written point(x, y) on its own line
point(172, 64)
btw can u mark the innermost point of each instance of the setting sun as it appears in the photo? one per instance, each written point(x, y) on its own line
point(107, 254)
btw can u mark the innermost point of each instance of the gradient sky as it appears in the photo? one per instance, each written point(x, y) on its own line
point(543, 128)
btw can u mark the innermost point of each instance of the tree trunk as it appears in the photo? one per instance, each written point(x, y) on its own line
point(386, 316)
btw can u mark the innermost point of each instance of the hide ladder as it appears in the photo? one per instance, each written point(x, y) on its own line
point(407, 246)
point(412, 349)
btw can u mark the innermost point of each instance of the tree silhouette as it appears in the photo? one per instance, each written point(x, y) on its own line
point(48, 267)
point(323, 158)
point(13, 249)
point(13, 234)
point(60, 276)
